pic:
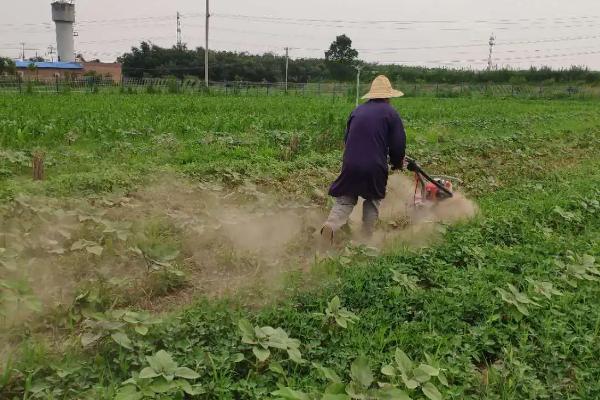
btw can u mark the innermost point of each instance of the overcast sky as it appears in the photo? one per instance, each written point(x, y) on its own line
point(455, 33)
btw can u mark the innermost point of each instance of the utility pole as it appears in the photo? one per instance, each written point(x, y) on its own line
point(51, 52)
point(492, 43)
point(287, 59)
point(22, 51)
point(179, 39)
point(358, 69)
point(206, 46)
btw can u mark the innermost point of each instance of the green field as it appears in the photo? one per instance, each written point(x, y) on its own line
point(144, 265)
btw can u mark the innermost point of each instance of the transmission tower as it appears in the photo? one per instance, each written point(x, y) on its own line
point(51, 52)
point(179, 38)
point(490, 58)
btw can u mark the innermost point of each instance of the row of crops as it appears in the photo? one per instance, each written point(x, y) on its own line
point(173, 86)
point(109, 291)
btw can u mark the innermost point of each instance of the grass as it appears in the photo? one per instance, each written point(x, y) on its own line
point(530, 165)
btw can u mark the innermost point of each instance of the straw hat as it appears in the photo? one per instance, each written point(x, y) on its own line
point(381, 88)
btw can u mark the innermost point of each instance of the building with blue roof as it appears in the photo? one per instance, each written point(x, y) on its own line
point(50, 65)
point(57, 69)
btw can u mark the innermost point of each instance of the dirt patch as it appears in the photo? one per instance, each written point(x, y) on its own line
point(173, 240)
point(231, 239)
point(246, 238)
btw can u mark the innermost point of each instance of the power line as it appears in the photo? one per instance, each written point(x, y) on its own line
point(402, 27)
point(384, 50)
point(154, 18)
point(482, 60)
point(341, 23)
point(408, 22)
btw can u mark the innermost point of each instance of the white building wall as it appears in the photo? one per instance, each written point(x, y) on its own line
point(65, 41)
point(63, 14)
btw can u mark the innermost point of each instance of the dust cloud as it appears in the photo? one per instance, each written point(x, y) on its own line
point(232, 239)
point(246, 238)
point(403, 224)
point(224, 240)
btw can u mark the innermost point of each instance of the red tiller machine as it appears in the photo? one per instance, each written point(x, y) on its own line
point(429, 189)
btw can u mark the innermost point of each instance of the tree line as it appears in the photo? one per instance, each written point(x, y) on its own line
point(338, 65)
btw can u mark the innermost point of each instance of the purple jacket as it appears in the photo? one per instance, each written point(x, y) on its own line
point(374, 131)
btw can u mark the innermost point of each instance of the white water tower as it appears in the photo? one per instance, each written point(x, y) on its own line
point(63, 15)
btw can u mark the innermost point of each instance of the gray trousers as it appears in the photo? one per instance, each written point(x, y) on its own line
point(343, 207)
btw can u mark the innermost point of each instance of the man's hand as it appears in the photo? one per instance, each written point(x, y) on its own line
point(411, 165)
point(400, 167)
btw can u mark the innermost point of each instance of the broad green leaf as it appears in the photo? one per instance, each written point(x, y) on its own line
point(116, 314)
point(148, 373)
point(128, 392)
point(522, 309)
point(38, 387)
point(246, 328)
point(442, 379)
point(295, 356)
point(195, 390)
point(289, 394)
point(89, 338)
point(336, 388)
point(588, 260)
point(337, 303)
point(339, 396)
point(431, 371)
point(277, 343)
point(237, 358)
point(162, 363)
point(261, 333)
point(410, 383)
point(192, 390)
point(261, 354)
point(277, 368)
point(184, 385)
point(82, 244)
point(404, 362)
point(361, 372)
point(342, 322)
point(431, 391)
point(141, 329)
point(356, 391)
point(132, 317)
point(521, 297)
point(507, 297)
point(122, 339)
point(420, 375)
point(328, 373)
point(388, 370)
point(162, 386)
point(334, 304)
point(97, 250)
point(391, 393)
point(123, 235)
point(186, 373)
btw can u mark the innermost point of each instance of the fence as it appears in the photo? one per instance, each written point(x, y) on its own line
point(237, 88)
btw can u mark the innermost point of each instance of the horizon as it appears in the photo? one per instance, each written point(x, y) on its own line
point(428, 33)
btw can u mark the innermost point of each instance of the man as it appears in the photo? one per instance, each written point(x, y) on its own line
point(374, 132)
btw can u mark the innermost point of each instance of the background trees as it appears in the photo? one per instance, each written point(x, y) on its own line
point(341, 58)
point(149, 60)
point(7, 66)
